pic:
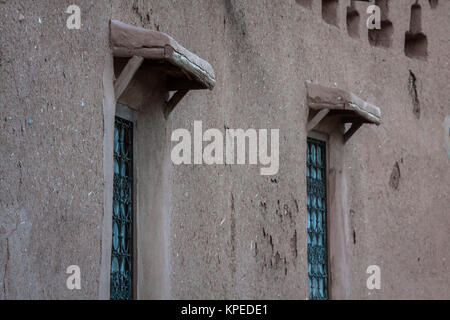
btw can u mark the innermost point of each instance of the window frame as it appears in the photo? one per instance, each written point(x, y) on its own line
point(317, 135)
point(126, 113)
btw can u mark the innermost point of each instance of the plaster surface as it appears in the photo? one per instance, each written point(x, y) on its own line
point(223, 231)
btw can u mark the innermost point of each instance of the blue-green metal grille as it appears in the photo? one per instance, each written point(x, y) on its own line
point(317, 222)
point(122, 228)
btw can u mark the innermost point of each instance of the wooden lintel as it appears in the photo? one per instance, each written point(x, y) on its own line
point(349, 133)
point(320, 97)
point(127, 74)
point(147, 53)
point(172, 103)
point(316, 119)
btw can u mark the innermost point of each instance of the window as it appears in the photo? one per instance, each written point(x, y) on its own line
point(317, 220)
point(122, 229)
point(144, 67)
point(337, 114)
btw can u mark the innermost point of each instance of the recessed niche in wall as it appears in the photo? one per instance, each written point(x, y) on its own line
point(416, 43)
point(353, 22)
point(416, 46)
point(305, 3)
point(382, 37)
point(433, 3)
point(330, 11)
point(415, 24)
point(384, 7)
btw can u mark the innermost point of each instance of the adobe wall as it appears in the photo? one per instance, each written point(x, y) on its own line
point(51, 187)
point(232, 233)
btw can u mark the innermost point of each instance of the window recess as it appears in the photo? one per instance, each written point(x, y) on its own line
point(122, 259)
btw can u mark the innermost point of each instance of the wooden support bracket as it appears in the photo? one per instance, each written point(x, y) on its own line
point(316, 119)
point(172, 103)
point(127, 74)
point(348, 134)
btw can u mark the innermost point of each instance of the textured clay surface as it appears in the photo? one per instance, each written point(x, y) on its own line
point(230, 232)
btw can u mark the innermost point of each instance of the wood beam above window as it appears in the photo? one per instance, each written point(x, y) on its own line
point(180, 70)
point(184, 67)
point(326, 102)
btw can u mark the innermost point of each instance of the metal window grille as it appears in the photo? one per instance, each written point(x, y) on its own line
point(316, 220)
point(122, 228)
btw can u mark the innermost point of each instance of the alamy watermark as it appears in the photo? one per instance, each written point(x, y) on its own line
point(374, 20)
point(374, 280)
point(74, 20)
point(220, 151)
point(74, 280)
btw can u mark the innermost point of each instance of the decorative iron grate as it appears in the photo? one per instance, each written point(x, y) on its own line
point(122, 228)
point(316, 220)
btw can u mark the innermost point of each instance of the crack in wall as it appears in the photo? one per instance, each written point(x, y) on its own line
point(394, 180)
point(412, 88)
point(233, 239)
point(6, 267)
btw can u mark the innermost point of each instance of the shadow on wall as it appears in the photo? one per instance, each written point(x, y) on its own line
point(305, 3)
point(433, 3)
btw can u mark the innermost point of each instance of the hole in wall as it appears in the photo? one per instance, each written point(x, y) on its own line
point(416, 43)
point(330, 11)
point(382, 37)
point(433, 3)
point(416, 46)
point(305, 3)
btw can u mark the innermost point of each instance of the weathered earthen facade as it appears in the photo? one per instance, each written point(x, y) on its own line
point(215, 232)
